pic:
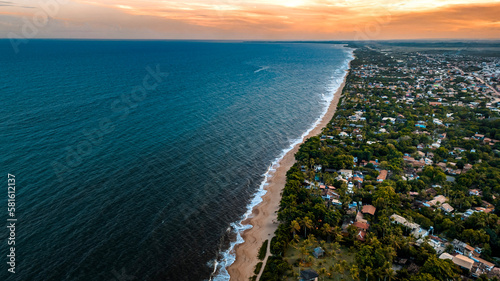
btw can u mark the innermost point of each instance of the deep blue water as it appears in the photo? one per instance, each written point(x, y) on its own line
point(115, 181)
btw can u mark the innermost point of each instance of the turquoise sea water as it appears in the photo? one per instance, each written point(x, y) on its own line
point(138, 159)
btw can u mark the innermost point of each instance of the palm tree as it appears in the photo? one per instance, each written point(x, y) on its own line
point(337, 234)
point(388, 272)
point(322, 272)
point(368, 272)
point(338, 268)
point(327, 231)
point(310, 259)
point(303, 252)
point(335, 247)
point(322, 244)
point(354, 272)
point(331, 270)
point(307, 223)
point(311, 240)
point(344, 265)
point(394, 242)
point(295, 226)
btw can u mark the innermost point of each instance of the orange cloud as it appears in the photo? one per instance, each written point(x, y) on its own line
point(280, 19)
point(456, 21)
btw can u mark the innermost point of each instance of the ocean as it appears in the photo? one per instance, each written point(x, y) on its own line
point(137, 160)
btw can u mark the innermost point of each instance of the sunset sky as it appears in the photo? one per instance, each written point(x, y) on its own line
point(257, 19)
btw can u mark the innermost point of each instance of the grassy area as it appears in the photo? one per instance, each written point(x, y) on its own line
point(336, 264)
point(263, 250)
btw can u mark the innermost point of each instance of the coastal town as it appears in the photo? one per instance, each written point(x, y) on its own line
point(404, 182)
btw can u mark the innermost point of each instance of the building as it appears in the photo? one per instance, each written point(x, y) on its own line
point(438, 199)
point(447, 208)
point(361, 225)
point(357, 178)
point(308, 275)
point(474, 192)
point(346, 173)
point(343, 134)
point(483, 264)
point(368, 209)
point(361, 236)
point(336, 202)
point(360, 218)
point(463, 261)
point(462, 248)
point(400, 220)
point(446, 256)
point(478, 137)
point(318, 252)
point(382, 176)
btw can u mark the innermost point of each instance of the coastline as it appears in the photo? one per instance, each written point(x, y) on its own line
point(264, 216)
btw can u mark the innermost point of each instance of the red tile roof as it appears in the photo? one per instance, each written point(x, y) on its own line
point(368, 209)
point(361, 225)
point(383, 175)
point(361, 235)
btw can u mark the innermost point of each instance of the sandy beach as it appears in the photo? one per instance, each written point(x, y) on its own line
point(264, 215)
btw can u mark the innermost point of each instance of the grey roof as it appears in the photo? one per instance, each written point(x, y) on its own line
point(308, 274)
point(318, 250)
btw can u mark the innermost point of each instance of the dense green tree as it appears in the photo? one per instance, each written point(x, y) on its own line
point(441, 269)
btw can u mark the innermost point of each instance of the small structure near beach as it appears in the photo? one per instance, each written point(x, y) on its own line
point(318, 252)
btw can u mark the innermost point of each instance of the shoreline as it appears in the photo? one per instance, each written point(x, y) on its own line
point(264, 215)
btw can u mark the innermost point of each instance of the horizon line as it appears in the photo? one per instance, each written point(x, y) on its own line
point(259, 40)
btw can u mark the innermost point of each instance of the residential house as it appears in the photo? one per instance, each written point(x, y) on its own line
point(361, 225)
point(462, 248)
point(368, 209)
point(463, 261)
point(446, 256)
point(478, 137)
point(308, 275)
point(382, 176)
point(400, 220)
point(483, 264)
point(318, 252)
point(346, 173)
point(447, 208)
point(360, 218)
point(343, 134)
point(474, 192)
point(437, 199)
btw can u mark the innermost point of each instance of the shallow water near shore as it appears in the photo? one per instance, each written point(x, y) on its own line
point(161, 193)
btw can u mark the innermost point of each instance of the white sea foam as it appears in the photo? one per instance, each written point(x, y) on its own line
point(261, 69)
point(228, 256)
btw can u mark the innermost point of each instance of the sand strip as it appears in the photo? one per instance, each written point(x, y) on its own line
point(264, 215)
